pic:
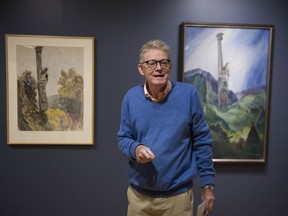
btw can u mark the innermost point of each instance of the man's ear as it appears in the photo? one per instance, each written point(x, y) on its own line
point(140, 69)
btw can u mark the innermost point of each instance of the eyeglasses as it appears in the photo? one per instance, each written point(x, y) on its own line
point(152, 64)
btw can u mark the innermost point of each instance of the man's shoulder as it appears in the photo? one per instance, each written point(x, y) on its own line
point(183, 86)
point(135, 91)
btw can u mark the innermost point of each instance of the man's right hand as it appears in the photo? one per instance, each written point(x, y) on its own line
point(144, 154)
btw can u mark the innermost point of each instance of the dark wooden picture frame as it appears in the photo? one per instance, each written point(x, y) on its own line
point(230, 65)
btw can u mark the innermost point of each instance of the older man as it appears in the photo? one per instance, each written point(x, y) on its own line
point(164, 135)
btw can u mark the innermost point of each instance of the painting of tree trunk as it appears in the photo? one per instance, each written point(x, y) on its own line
point(230, 67)
point(52, 82)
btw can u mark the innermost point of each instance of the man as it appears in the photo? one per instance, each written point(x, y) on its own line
point(166, 139)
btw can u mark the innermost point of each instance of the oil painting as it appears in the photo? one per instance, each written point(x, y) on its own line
point(230, 65)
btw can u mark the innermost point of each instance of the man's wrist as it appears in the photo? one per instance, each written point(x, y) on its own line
point(209, 186)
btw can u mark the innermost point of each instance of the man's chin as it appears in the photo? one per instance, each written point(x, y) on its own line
point(159, 84)
point(159, 81)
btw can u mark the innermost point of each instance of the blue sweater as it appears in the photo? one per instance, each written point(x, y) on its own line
point(176, 132)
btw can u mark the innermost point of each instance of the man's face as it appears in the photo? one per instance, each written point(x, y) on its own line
point(158, 76)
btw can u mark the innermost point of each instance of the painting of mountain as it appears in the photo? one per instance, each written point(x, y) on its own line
point(232, 137)
point(230, 67)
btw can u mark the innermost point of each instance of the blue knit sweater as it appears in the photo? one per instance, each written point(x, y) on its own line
point(176, 132)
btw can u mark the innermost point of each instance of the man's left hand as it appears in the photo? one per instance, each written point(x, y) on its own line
point(208, 197)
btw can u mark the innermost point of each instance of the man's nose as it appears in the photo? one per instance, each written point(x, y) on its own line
point(158, 66)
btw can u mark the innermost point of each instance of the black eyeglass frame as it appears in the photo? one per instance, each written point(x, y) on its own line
point(146, 62)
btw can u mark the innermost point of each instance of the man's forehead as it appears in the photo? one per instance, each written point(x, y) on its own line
point(155, 52)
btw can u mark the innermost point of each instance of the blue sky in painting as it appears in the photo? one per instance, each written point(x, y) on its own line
point(244, 49)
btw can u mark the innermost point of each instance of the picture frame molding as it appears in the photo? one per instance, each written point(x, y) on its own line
point(270, 29)
point(82, 136)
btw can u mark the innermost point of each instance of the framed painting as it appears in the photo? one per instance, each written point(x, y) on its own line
point(230, 65)
point(50, 90)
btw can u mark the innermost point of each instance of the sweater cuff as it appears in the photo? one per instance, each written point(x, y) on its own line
point(132, 150)
point(207, 180)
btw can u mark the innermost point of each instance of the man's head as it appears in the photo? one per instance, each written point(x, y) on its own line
point(154, 63)
point(154, 44)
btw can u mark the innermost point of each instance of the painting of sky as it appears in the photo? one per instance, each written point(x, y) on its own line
point(246, 50)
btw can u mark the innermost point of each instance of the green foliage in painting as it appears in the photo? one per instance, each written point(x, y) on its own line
point(238, 132)
point(65, 112)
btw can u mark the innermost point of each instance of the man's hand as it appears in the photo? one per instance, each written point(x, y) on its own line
point(144, 154)
point(208, 196)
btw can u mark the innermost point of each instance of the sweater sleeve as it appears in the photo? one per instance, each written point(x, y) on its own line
point(202, 143)
point(126, 141)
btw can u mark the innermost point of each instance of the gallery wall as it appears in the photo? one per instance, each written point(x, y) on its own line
point(92, 180)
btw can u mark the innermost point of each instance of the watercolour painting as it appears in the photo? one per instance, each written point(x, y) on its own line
point(50, 90)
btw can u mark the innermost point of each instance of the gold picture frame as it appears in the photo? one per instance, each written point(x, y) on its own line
point(50, 90)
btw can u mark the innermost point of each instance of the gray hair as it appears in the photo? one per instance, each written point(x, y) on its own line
point(154, 44)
